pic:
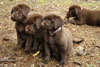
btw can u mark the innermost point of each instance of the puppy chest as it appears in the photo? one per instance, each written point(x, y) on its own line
point(53, 44)
point(20, 28)
point(24, 36)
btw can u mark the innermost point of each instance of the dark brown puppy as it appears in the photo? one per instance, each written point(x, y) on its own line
point(84, 16)
point(33, 27)
point(58, 39)
point(19, 15)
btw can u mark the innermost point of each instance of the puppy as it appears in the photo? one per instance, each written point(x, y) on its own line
point(33, 27)
point(84, 16)
point(58, 39)
point(19, 14)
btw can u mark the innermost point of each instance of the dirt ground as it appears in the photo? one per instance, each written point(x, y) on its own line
point(90, 34)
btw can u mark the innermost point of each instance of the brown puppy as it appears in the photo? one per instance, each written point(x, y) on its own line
point(84, 16)
point(33, 27)
point(19, 15)
point(58, 39)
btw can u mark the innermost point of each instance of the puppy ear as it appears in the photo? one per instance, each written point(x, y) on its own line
point(58, 22)
point(38, 22)
point(25, 9)
point(77, 11)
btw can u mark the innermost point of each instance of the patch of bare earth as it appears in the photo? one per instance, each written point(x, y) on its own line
point(10, 58)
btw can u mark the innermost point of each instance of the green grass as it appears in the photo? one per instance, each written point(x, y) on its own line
point(66, 2)
point(90, 65)
point(61, 2)
point(92, 4)
point(42, 1)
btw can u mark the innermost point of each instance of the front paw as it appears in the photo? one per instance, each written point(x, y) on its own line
point(17, 47)
point(28, 51)
point(62, 63)
point(46, 60)
point(41, 55)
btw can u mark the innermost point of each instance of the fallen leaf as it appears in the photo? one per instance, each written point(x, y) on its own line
point(34, 55)
point(6, 39)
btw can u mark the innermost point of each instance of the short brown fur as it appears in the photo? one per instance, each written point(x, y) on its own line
point(19, 15)
point(84, 16)
point(60, 43)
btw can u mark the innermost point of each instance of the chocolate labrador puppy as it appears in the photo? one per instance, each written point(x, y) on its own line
point(58, 39)
point(19, 14)
point(33, 27)
point(84, 16)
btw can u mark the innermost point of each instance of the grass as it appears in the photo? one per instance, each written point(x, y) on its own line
point(92, 4)
point(66, 2)
point(90, 65)
point(41, 2)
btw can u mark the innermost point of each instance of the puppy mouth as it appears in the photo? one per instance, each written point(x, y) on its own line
point(13, 19)
point(44, 26)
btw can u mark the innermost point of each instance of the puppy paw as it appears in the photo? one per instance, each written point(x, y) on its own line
point(57, 65)
point(62, 63)
point(41, 55)
point(46, 60)
point(28, 51)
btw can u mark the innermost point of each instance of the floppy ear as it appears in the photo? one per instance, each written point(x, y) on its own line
point(38, 22)
point(58, 22)
point(77, 11)
point(25, 9)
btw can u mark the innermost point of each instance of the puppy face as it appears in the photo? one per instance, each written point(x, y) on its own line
point(48, 24)
point(51, 22)
point(74, 11)
point(19, 12)
point(33, 23)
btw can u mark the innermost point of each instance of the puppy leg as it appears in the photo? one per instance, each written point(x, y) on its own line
point(41, 49)
point(35, 45)
point(63, 58)
point(46, 48)
point(80, 22)
point(28, 44)
point(20, 42)
point(47, 53)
